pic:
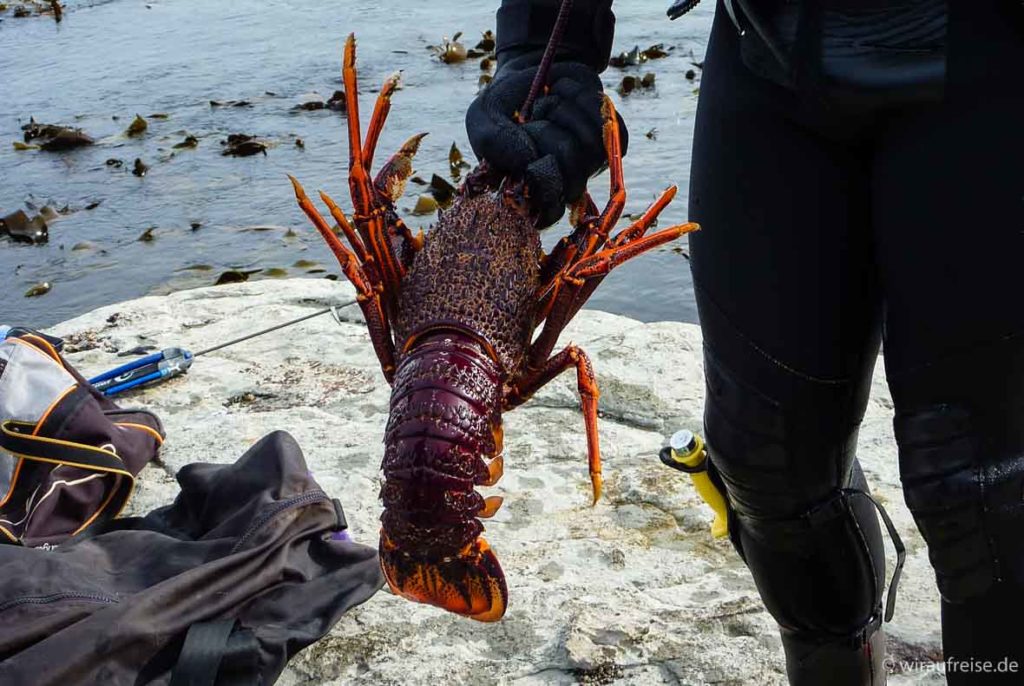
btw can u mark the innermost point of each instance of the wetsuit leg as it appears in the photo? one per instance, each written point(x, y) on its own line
point(789, 307)
point(949, 222)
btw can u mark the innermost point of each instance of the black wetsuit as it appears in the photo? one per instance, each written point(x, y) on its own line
point(831, 222)
point(858, 171)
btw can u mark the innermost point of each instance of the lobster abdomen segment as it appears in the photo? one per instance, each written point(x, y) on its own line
point(445, 423)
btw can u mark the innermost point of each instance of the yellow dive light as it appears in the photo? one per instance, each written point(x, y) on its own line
point(685, 452)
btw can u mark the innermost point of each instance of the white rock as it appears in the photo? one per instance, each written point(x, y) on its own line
point(633, 591)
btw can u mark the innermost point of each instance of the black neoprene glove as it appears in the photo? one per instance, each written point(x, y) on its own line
point(561, 146)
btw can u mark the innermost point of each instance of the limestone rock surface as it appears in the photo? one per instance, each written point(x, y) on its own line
point(632, 591)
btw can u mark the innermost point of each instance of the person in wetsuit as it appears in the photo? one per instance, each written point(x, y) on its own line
point(858, 171)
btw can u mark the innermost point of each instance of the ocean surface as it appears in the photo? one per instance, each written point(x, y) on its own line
point(204, 213)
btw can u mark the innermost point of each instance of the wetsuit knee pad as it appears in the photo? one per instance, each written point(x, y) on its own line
point(800, 515)
point(821, 571)
point(960, 428)
point(967, 496)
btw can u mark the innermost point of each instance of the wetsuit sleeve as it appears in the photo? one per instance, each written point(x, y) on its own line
point(525, 25)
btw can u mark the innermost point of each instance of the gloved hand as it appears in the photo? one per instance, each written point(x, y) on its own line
point(561, 146)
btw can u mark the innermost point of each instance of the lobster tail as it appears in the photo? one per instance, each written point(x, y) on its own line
point(445, 425)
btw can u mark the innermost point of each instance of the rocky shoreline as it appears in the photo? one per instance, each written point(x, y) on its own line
point(632, 591)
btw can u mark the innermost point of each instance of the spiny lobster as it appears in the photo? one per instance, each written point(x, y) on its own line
point(452, 317)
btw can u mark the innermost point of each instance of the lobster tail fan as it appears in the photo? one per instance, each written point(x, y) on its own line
point(470, 584)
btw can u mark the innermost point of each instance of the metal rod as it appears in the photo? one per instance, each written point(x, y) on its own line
point(274, 328)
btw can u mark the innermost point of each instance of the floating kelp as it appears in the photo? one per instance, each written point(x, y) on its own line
point(230, 103)
point(139, 168)
point(54, 137)
point(235, 276)
point(450, 51)
point(636, 56)
point(656, 52)
point(20, 147)
point(67, 139)
point(455, 162)
point(243, 145)
point(632, 83)
point(115, 163)
point(275, 272)
point(310, 102)
point(189, 142)
point(39, 289)
point(305, 264)
point(442, 191)
point(20, 227)
point(425, 204)
point(626, 59)
point(486, 43)
point(147, 235)
point(30, 8)
point(652, 134)
point(337, 102)
point(137, 127)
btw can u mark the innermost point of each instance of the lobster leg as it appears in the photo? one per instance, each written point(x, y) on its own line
point(572, 255)
point(586, 383)
point(595, 268)
point(350, 234)
point(565, 250)
point(592, 231)
point(554, 300)
point(565, 253)
point(367, 292)
point(617, 195)
point(647, 220)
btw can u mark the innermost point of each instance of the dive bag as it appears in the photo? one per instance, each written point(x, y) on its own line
point(68, 455)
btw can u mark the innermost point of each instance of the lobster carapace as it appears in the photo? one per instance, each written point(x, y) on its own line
point(452, 317)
